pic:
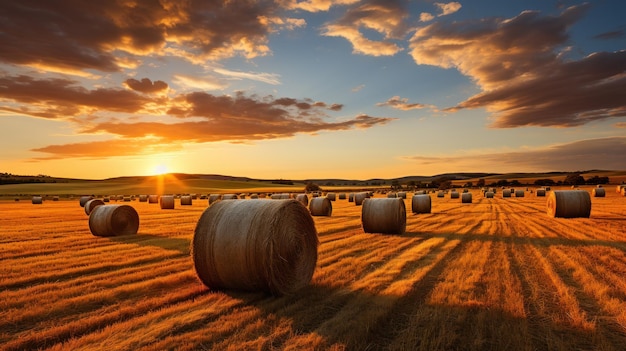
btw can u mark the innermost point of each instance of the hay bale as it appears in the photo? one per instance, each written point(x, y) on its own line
point(127, 199)
point(387, 216)
point(229, 197)
point(83, 200)
point(540, 192)
point(254, 196)
point(489, 194)
point(91, 204)
point(421, 203)
point(454, 194)
point(331, 196)
point(598, 192)
point(465, 191)
point(111, 220)
point(37, 200)
point(55, 198)
point(167, 202)
point(214, 197)
point(392, 195)
point(106, 199)
point(321, 206)
point(281, 196)
point(143, 198)
point(402, 194)
point(420, 192)
point(186, 200)
point(569, 204)
point(506, 193)
point(303, 199)
point(153, 199)
point(519, 193)
point(342, 196)
point(351, 197)
point(466, 198)
point(359, 197)
point(256, 245)
point(441, 194)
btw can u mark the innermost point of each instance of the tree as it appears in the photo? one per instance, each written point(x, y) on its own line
point(395, 184)
point(480, 183)
point(312, 187)
point(574, 179)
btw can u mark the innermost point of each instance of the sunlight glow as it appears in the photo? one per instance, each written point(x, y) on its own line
point(160, 169)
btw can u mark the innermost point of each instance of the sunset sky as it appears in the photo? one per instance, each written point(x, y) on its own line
point(311, 89)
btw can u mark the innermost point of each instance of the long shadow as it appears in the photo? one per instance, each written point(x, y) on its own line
point(163, 242)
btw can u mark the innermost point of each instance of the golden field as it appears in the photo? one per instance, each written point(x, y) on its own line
point(497, 274)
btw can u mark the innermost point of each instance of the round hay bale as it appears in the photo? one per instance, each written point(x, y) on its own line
point(55, 198)
point(331, 196)
point(153, 199)
point(37, 200)
point(420, 192)
point(282, 196)
point(454, 195)
point(569, 204)
point(465, 191)
point(254, 196)
point(127, 199)
point(489, 194)
point(91, 204)
point(598, 192)
point(548, 188)
point(506, 193)
point(402, 194)
point(17, 199)
point(106, 199)
point(519, 193)
point(303, 198)
point(540, 192)
point(359, 197)
point(143, 198)
point(214, 197)
point(342, 196)
point(229, 197)
point(392, 195)
point(186, 200)
point(167, 202)
point(387, 216)
point(441, 194)
point(351, 197)
point(321, 206)
point(256, 245)
point(111, 220)
point(83, 200)
point(421, 203)
point(466, 198)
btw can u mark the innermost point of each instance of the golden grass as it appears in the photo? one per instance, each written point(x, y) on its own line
point(495, 274)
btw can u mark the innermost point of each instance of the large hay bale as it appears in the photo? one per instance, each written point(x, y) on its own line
point(387, 216)
point(331, 196)
point(37, 200)
point(153, 199)
point(321, 206)
point(454, 194)
point(303, 198)
point(540, 192)
point(569, 204)
point(186, 200)
point(598, 192)
point(466, 198)
point(91, 204)
point(421, 203)
point(83, 200)
point(359, 197)
point(519, 193)
point(256, 245)
point(111, 220)
point(167, 202)
point(506, 193)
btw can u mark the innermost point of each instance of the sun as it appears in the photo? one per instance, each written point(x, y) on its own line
point(160, 169)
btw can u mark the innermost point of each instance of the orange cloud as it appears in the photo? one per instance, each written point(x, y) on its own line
point(146, 85)
point(524, 80)
point(402, 104)
point(108, 148)
point(448, 8)
point(315, 5)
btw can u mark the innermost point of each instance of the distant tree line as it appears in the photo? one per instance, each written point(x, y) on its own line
point(8, 178)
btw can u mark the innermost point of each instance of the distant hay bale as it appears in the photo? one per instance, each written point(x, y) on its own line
point(256, 245)
point(167, 202)
point(331, 196)
point(420, 192)
point(91, 204)
point(186, 200)
point(402, 194)
point(506, 193)
point(454, 194)
point(321, 206)
point(153, 199)
point(598, 192)
point(214, 197)
point(392, 195)
point(281, 196)
point(466, 198)
point(254, 196)
point(37, 200)
point(112, 220)
point(441, 194)
point(351, 197)
point(342, 196)
point(465, 191)
point(229, 197)
point(519, 193)
point(303, 199)
point(569, 204)
point(540, 192)
point(143, 198)
point(421, 203)
point(489, 194)
point(106, 199)
point(127, 199)
point(55, 198)
point(83, 200)
point(386, 216)
point(359, 197)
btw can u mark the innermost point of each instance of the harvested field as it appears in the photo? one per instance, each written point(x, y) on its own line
point(497, 274)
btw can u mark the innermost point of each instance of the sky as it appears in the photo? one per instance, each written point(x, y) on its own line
point(298, 89)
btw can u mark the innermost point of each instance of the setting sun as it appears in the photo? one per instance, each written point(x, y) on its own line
point(160, 169)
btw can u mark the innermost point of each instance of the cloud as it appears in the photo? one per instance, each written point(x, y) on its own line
point(315, 5)
point(93, 35)
point(448, 8)
point(524, 80)
point(146, 85)
point(620, 125)
point(575, 156)
point(610, 35)
point(358, 88)
point(107, 148)
point(269, 78)
point(425, 17)
point(202, 83)
point(402, 104)
point(384, 17)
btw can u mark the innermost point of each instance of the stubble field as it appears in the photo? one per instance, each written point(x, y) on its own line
point(497, 274)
